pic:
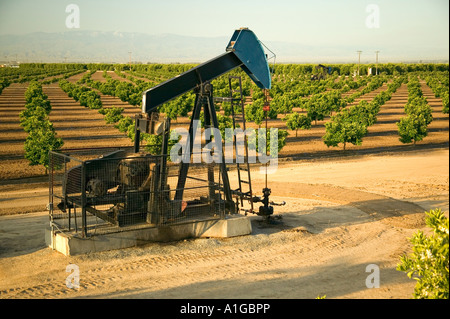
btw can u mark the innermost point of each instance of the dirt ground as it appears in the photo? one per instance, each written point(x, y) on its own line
point(341, 215)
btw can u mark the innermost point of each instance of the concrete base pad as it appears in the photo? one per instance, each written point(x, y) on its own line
point(73, 245)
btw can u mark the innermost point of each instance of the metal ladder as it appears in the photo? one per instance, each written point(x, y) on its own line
point(243, 169)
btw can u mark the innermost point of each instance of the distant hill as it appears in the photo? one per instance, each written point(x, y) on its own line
point(92, 46)
point(114, 47)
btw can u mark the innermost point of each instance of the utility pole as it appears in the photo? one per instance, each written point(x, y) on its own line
point(376, 72)
point(359, 59)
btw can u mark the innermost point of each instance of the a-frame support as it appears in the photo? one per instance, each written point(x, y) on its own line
point(204, 100)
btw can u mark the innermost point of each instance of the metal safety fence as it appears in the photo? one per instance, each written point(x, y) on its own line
point(121, 190)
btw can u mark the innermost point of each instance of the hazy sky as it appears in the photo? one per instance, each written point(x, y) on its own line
point(404, 24)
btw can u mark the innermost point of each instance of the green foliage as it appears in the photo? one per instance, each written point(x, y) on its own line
point(258, 94)
point(3, 84)
point(226, 106)
point(130, 92)
point(444, 97)
point(85, 96)
point(123, 124)
point(34, 119)
point(179, 106)
point(34, 90)
point(126, 125)
point(29, 72)
point(223, 122)
point(414, 89)
point(35, 97)
point(113, 114)
point(364, 113)
point(123, 90)
point(291, 88)
point(419, 106)
point(283, 103)
point(296, 121)
point(154, 144)
point(108, 87)
point(317, 110)
point(321, 105)
point(350, 124)
point(342, 129)
point(428, 263)
point(370, 85)
point(131, 132)
point(254, 112)
point(39, 142)
point(412, 128)
point(39, 101)
point(348, 68)
point(37, 107)
point(253, 141)
point(438, 81)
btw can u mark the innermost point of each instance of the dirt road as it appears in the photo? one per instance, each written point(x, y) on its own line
point(340, 217)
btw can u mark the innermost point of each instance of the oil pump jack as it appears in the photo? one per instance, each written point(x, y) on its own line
point(323, 71)
point(141, 186)
point(244, 50)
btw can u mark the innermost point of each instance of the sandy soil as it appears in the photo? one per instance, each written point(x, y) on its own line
point(341, 215)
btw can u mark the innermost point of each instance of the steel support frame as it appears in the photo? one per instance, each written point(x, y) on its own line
point(204, 100)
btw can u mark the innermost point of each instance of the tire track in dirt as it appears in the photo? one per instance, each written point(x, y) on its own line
point(386, 209)
point(271, 259)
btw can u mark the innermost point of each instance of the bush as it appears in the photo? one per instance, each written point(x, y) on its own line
point(419, 106)
point(344, 129)
point(34, 89)
point(429, 262)
point(85, 96)
point(39, 142)
point(364, 113)
point(296, 121)
point(39, 101)
point(253, 141)
point(444, 97)
point(123, 124)
point(154, 144)
point(412, 128)
point(254, 112)
point(113, 114)
point(3, 84)
point(179, 106)
point(34, 119)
